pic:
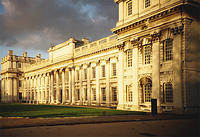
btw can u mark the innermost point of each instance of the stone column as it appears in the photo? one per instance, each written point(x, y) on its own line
point(30, 89)
point(57, 87)
point(120, 79)
point(97, 83)
point(10, 89)
point(15, 87)
point(38, 89)
point(52, 87)
point(70, 85)
point(156, 73)
point(42, 88)
point(73, 86)
point(49, 87)
point(88, 85)
point(63, 87)
point(135, 77)
point(35, 97)
point(107, 82)
point(46, 94)
point(2, 90)
point(177, 74)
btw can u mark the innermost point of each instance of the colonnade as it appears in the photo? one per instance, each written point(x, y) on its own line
point(73, 85)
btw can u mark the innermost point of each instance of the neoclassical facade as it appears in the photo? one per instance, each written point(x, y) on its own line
point(153, 54)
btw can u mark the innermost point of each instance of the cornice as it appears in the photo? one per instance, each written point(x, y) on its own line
point(142, 21)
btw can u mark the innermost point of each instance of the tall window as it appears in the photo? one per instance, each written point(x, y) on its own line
point(93, 72)
point(167, 93)
point(147, 54)
point(103, 70)
point(168, 49)
point(129, 7)
point(78, 94)
point(103, 91)
point(67, 76)
point(85, 73)
point(85, 92)
point(94, 94)
point(20, 83)
point(77, 74)
point(147, 92)
point(129, 58)
point(67, 95)
point(147, 3)
point(19, 65)
point(129, 93)
point(114, 92)
point(114, 70)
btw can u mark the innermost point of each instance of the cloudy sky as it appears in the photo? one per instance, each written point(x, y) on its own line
point(31, 25)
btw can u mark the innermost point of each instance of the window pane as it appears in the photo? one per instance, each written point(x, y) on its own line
point(147, 93)
point(129, 58)
point(147, 54)
point(103, 70)
point(129, 7)
point(114, 71)
point(169, 92)
point(147, 3)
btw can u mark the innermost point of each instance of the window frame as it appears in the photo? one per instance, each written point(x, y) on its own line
point(114, 69)
point(103, 71)
point(147, 54)
point(103, 93)
point(147, 3)
point(114, 94)
point(168, 50)
point(129, 6)
point(167, 96)
point(129, 53)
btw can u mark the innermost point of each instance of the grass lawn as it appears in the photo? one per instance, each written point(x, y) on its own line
point(33, 111)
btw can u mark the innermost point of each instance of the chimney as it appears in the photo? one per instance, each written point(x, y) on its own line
point(25, 54)
point(10, 52)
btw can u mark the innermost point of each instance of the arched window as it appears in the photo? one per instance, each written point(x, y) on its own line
point(146, 89)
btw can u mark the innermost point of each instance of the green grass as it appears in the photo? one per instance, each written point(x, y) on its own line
point(33, 111)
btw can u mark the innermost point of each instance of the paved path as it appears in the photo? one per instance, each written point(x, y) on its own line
point(180, 128)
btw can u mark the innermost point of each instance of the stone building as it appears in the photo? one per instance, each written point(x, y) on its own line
point(153, 54)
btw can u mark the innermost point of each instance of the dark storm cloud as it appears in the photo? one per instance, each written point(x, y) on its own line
point(37, 23)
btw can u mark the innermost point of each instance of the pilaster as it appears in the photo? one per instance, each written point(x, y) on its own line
point(156, 73)
point(120, 76)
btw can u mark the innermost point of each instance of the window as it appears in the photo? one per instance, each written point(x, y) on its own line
point(129, 7)
point(129, 58)
point(19, 65)
point(147, 3)
point(129, 93)
point(94, 93)
point(67, 95)
point(85, 73)
point(147, 54)
point(77, 74)
point(167, 93)
point(103, 91)
point(114, 91)
point(67, 76)
point(20, 83)
point(93, 72)
point(168, 49)
point(85, 91)
point(103, 70)
point(114, 71)
point(147, 92)
point(78, 94)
